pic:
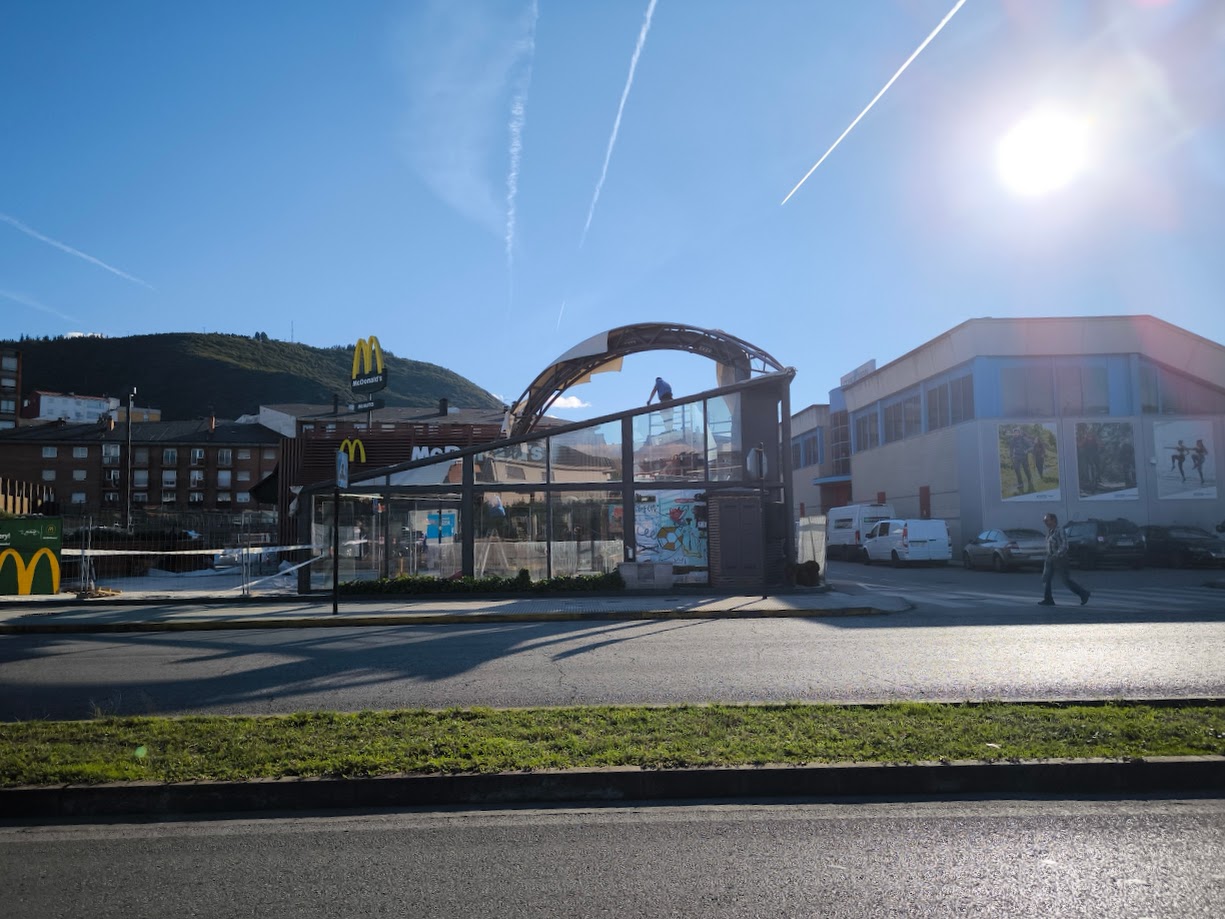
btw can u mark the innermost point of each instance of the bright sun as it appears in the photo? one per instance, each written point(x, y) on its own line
point(1043, 152)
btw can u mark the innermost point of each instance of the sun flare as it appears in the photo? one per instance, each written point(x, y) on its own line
point(1043, 152)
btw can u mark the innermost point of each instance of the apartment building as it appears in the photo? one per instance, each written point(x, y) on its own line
point(10, 387)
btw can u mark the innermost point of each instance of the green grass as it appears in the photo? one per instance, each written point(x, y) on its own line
point(499, 740)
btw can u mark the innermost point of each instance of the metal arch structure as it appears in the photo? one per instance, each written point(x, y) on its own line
point(736, 358)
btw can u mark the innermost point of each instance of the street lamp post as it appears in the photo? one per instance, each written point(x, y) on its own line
point(127, 513)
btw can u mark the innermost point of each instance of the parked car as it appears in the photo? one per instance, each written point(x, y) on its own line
point(1096, 542)
point(1182, 546)
point(1005, 550)
point(905, 541)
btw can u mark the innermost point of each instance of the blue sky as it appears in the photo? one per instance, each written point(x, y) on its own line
point(484, 183)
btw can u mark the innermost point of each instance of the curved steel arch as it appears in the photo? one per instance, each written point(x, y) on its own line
point(738, 360)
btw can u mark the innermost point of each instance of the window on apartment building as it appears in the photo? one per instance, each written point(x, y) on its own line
point(244, 454)
point(242, 497)
point(8, 383)
point(223, 498)
point(867, 431)
point(7, 425)
point(197, 456)
point(170, 478)
point(223, 478)
point(110, 476)
point(110, 497)
point(78, 475)
point(78, 497)
point(110, 454)
point(269, 453)
point(81, 452)
point(8, 362)
point(1082, 390)
point(48, 475)
point(169, 497)
point(140, 478)
point(140, 497)
point(50, 452)
point(244, 475)
point(195, 497)
point(140, 456)
point(197, 478)
point(170, 456)
point(8, 406)
point(1027, 391)
point(225, 456)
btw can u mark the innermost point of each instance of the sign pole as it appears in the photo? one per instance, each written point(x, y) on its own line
point(342, 481)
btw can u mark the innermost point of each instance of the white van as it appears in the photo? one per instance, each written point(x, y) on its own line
point(902, 541)
point(845, 528)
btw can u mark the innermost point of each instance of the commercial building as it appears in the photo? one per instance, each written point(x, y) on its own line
point(998, 421)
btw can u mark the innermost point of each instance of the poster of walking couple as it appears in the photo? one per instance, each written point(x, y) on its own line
point(1029, 462)
point(1186, 467)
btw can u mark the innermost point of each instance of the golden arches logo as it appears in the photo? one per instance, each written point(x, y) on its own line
point(25, 570)
point(368, 374)
point(353, 447)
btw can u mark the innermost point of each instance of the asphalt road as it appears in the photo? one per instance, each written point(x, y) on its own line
point(972, 635)
point(1049, 858)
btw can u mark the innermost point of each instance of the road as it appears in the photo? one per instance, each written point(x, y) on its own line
point(970, 637)
point(1143, 858)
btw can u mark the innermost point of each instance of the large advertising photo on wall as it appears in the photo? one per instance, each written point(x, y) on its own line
point(1106, 461)
point(1186, 466)
point(1029, 462)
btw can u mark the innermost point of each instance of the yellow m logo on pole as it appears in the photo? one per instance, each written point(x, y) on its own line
point(25, 570)
point(353, 447)
point(368, 374)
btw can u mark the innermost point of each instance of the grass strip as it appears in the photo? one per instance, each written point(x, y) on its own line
point(506, 740)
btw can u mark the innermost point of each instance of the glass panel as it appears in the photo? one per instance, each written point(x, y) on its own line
point(588, 532)
point(1148, 390)
point(1082, 390)
point(1026, 391)
point(670, 529)
point(867, 431)
point(588, 455)
point(523, 462)
point(961, 399)
point(511, 534)
point(668, 444)
point(724, 450)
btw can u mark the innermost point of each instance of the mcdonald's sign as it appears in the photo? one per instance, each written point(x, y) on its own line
point(23, 583)
point(368, 373)
point(353, 447)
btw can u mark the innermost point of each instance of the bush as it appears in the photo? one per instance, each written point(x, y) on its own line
point(520, 583)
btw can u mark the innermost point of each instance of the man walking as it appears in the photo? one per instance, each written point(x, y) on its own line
point(1057, 562)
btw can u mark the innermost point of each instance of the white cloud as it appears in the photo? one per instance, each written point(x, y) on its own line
point(568, 402)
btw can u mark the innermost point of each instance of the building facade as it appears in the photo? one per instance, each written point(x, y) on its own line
point(10, 388)
point(998, 421)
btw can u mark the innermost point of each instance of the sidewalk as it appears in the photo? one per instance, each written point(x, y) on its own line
point(194, 610)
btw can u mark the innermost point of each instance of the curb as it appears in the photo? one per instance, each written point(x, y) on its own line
point(344, 621)
point(1058, 777)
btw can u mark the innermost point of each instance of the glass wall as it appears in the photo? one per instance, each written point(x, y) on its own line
point(668, 444)
point(588, 532)
point(724, 450)
point(511, 534)
point(588, 455)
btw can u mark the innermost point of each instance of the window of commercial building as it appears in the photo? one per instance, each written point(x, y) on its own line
point(81, 452)
point(140, 478)
point(50, 452)
point(938, 407)
point(961, 399)
point(1026, 391)
point(587, 455)
point(724, 446)
point(840, 442)
point(197, 456)
point(170, 478)
point(1082, 390)
point(170, 456)
point(1150, 390)
point(808, 449)
point(670, 443)
point(903, 418)
point(1182, 395)
point(867, 431)
point(78, 475)
point(223, 478)
point(225, 456)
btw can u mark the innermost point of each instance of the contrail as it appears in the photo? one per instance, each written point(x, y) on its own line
point(34, 304)
point(560, 313)
point(30, 231)
point(518, 110)
point(935, 32)
point(642, 37)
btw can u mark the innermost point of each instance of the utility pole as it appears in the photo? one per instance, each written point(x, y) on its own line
point(127, 514)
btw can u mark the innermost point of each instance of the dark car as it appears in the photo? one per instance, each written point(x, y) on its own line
point(1096, 542)
point(1005, 549)
point(1182, 546)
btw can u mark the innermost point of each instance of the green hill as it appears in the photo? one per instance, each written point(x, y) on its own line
point(186, 374)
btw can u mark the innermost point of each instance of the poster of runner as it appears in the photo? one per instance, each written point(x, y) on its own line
point(1106, 461)
point(1186, 461)
point(1029, 462)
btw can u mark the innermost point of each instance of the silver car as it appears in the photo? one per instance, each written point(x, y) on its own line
point(1004, 550)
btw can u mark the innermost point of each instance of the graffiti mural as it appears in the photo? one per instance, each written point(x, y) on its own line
point(670, 529)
